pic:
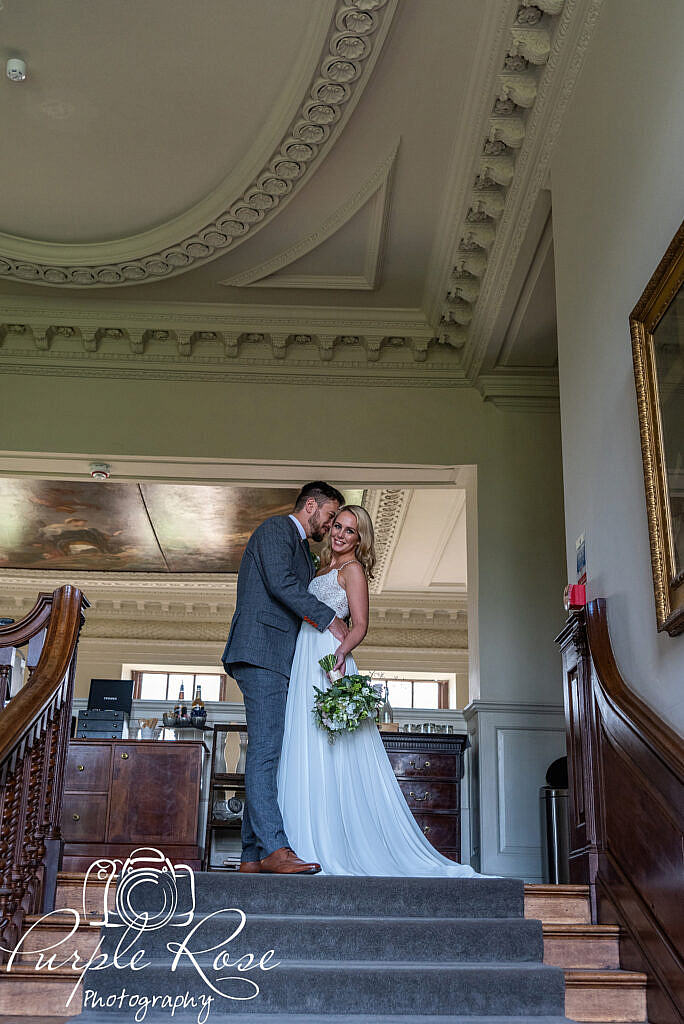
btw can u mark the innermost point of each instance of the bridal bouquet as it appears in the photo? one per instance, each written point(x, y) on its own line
point(348, 701)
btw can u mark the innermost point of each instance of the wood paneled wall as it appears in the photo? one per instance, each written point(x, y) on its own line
point(626, 776)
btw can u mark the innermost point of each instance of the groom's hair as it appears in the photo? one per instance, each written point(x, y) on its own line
point(319, 490)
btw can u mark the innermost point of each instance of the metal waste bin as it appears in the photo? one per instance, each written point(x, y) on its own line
point(555, 834)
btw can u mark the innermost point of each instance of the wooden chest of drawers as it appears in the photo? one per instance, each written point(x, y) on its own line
point(429, 769)
point(122, 794)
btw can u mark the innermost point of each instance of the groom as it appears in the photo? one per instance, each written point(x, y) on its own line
point(272, 601)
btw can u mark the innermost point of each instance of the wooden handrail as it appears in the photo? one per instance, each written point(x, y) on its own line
point(646, 724)
point(64, 617)
point(34, 734)
point(19, 633)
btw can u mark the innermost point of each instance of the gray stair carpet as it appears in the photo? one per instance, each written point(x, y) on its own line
point(377, 950)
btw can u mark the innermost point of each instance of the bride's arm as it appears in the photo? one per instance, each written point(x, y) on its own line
point(356, 585)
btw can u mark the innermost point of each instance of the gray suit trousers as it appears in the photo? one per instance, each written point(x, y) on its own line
point(265, 694)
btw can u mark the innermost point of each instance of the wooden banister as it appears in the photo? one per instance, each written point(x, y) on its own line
point(34, 733)
point(19, 633)
point(638, 716)
point(626, 778)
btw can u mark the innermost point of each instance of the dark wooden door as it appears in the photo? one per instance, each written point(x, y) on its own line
point(155, 793)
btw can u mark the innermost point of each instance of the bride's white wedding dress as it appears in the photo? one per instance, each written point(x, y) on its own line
point(341, 803)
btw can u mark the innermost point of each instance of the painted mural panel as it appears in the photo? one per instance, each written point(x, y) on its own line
point(127, 527)
point(205, 529)
point(75, 525)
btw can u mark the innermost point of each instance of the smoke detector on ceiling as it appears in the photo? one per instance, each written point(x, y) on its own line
point(16, 69)
point(100, 470)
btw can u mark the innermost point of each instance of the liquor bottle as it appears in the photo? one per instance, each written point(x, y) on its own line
point(198, 713)
point(386, 714)
point(183, 714)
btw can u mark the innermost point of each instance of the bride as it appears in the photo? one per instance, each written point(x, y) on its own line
point(341, 803)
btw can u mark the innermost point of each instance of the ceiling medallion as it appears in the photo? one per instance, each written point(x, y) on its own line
point(357, 33)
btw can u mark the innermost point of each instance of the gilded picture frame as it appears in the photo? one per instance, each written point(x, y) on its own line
point(657, 330)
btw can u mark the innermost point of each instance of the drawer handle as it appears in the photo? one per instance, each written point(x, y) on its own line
point(81, 767)
point(426, 829)
point(413, 764)
point(124, 757)
point(77, 817)
point(423, 797)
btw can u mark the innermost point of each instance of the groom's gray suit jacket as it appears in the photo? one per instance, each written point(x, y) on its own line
point(272, 598)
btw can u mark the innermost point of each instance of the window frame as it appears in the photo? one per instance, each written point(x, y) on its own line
point(137, 675)
point(442, 693)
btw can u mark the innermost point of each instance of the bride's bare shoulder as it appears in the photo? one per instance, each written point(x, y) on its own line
point(353, 570)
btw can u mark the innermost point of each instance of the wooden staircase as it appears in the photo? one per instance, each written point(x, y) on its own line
point(597, 991)
point(595, 987)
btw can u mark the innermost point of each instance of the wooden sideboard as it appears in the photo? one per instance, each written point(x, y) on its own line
point(429, 769)
point(122, 794)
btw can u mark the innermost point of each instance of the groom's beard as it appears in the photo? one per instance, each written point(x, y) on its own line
point(318, 531)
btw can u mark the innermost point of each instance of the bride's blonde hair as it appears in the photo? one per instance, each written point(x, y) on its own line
point(365, 549)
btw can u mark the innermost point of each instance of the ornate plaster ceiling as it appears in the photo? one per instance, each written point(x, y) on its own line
point(345, 182)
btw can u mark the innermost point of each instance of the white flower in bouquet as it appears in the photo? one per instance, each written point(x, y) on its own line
point(346, 703)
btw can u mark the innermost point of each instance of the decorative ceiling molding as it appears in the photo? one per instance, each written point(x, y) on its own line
point(544, 48)
point(543, 251)
point(240, 344)
point(209, 336)
point(527, 392)
point(493, 40)
point(528, 48)
point(199, 607)
point(570, 43)
point(353, 43)
point(387, 509)
point(547, 43)
point(377, 186)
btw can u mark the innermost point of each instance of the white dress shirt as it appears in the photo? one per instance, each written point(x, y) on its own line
point(302, 531)
point(302, 534)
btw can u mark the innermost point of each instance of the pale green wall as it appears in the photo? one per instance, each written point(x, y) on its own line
point(618, 198)
point(517, 456)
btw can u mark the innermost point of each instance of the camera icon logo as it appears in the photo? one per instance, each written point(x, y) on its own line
point(151, 892)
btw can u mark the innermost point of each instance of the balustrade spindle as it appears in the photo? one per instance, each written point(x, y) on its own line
point(34, 734)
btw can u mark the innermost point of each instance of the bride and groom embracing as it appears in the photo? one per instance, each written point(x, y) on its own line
point(339, 806)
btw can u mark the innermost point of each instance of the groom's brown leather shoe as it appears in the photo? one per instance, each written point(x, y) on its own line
point(286, 862)
point(250, 867)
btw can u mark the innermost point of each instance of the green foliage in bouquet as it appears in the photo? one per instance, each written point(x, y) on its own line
point(346, 703)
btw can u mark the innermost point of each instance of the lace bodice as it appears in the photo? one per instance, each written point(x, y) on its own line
point(327, 589)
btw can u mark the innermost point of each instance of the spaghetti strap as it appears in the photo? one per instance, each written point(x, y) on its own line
point(345, 563)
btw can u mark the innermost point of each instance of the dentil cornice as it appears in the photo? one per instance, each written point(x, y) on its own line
point(571, 39)
point(236, 211)
point(199, 606)
point(196, 341)
point(540, 51)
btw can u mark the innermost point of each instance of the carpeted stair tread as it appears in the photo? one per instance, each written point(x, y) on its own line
point(363, 896)
point(322, 937)
point(309, 986)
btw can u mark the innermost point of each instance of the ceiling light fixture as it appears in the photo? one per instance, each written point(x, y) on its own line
point(16, 69)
